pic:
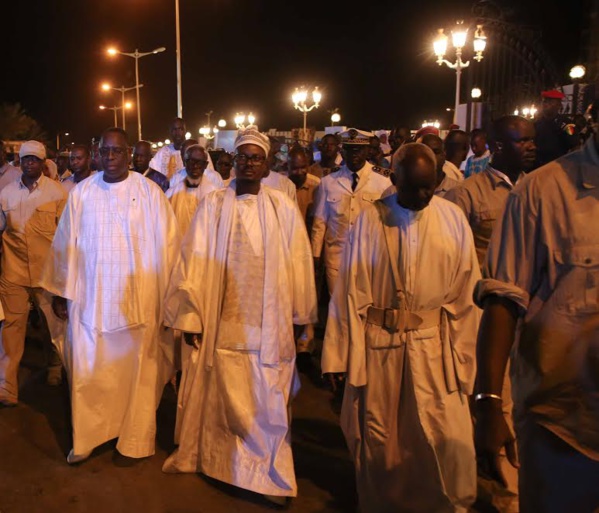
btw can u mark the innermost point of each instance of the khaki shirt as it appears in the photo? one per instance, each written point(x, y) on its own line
point(337, 207)
point(305, 199)
point(544, 256)
point(445, 186)
point(482, 197)
point(28, 221)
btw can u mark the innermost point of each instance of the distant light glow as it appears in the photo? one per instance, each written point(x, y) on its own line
point(578, 71)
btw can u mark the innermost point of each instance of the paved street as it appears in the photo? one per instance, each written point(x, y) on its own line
point(34, 475)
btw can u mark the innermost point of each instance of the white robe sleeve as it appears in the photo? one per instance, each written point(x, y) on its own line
point(462, 315)
point(305, 306)
point(344, 344)
point(184, 298)
point(319, 224)
point(58, 275)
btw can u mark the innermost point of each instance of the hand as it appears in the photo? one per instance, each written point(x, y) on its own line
point(193, 339)
point(59, 307)
point(491, 433)
point(335, 379)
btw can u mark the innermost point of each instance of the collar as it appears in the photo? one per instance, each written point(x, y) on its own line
point(190, 185)
point(485, 155)
point(36, 184)
point(499, 177)
point(589, 177)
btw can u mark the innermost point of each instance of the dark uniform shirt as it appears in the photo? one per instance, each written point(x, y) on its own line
point(553, 138)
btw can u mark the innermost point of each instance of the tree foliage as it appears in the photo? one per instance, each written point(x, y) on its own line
point(17, 125)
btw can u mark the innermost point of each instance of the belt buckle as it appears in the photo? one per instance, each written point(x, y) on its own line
point(390, 326)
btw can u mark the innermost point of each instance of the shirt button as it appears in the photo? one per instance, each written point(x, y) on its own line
point(588, 260)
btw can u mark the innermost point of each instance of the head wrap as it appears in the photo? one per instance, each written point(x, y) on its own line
point(251, 135)
point(35, 148)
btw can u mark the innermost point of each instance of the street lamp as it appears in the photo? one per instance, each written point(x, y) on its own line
point(123, 90)
point(127, 106)
point(222, 123)
point(207, 131)
point(459, 38)
point(240, 119)
point(476, 93)
point(136, 55)
point(66, 134)
point(299, 98)
point(577, 72)
point(335, 118)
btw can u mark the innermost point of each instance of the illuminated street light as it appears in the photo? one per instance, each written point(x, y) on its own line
point(299, 98)
point(530, 111)
point(208, 131)
point(459, 38)
point(222, 123)
point(136, 55)
point(107, 87)
point(240, 119)
point(476, 93)
point(114, 109)
point(435, 123)
point(187, 135)
point(335, 118)
point(577, 72)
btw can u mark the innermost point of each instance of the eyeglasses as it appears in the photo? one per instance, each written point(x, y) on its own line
point(197, 162)
point(117, 151)
point(254, 159)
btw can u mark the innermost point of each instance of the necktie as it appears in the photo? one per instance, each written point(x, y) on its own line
point(355, 179)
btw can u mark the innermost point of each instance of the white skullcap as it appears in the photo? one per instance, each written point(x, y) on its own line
point(35, 148)
point(251, 135)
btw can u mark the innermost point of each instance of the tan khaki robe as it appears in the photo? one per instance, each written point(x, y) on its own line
point(405, 412)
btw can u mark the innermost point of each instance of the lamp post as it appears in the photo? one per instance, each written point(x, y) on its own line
point(123, 90)
point(136, 55)
point(240, 119)
point(207, 131)
point(127, 105)
point(576, 74)
point(459, 37)
point(178, 36)
point(66, 134)
point(299, 98)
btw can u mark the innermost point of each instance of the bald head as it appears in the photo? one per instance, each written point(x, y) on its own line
point(414, 166)
point(186, 144)
point(435, 143)
point(142, 154)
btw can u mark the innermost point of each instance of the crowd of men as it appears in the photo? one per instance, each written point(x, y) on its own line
point(450, 265)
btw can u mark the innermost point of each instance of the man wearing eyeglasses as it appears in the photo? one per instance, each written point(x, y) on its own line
point(209, 171)
point(186, 195)
point(31, 206)
point(245, 278)
point(108, 267)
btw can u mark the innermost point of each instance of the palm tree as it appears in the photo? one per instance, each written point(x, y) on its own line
point(17, 125)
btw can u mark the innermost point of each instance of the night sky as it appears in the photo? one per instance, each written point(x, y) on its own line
point(373, 61)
